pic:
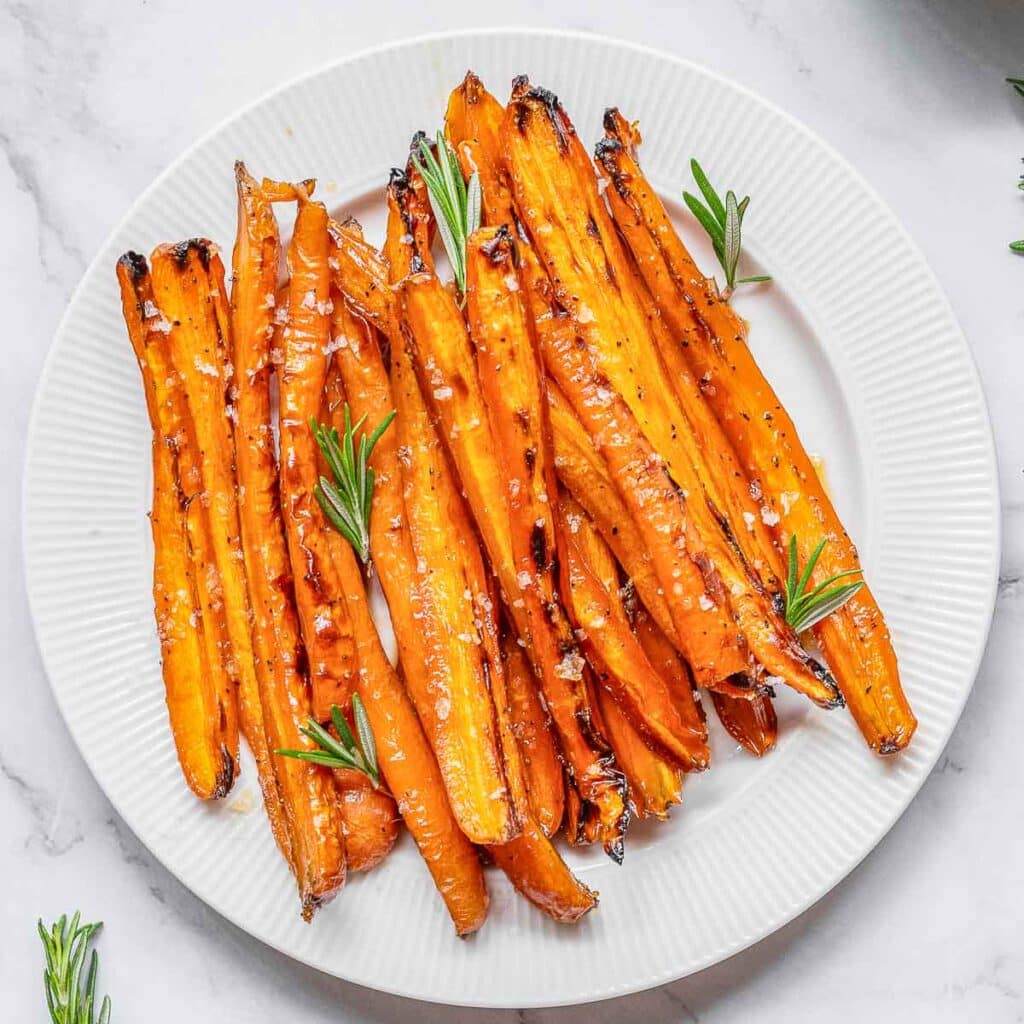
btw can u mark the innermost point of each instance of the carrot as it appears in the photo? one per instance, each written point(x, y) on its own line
point(312, 541)
point(472, 126)
point(188, 283)
point(201, 691)
point(453, 692)
point(301, 798)
point(855, 640)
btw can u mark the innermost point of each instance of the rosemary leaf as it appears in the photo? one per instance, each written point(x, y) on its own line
point(707, 191)
point(347, 500)
point(804, 608)
point(724, 224)
point(343, 751)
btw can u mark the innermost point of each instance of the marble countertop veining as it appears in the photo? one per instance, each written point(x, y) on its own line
point(97, 98)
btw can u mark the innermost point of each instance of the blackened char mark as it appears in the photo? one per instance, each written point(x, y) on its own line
point(226, 775)
point(538, 547)
point(202, 247)
point(501, 247)
point(136, 265)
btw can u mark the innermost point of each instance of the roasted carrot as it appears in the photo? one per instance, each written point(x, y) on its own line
point(592, 279)
point(436, 336)
point(672, 669)
point(194, 647)
point(855, 639)
point(312, 541)
point(188, 283)
point(422, 572)
point(309, 815)
point(533, 729)
point(654, 785)
point(452, 693)
point(581, 469)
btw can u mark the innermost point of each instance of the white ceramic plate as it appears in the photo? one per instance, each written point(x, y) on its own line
point(866, 353)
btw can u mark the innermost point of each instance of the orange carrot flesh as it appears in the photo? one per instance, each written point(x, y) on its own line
point(453, 696)
point(533, 730)
point(591, 582)
point(310, 813)
point(201, 694)
point(188, 283)
point(312, 541)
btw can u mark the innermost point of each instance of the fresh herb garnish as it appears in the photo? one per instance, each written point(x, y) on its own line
point(456, 206)
point(347, 501)
point(805, 609)
point(345, 751)
point(1018, 86)
point(723, 223)
point(70, 1001)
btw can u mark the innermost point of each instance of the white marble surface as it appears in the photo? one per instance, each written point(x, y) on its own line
point(96, 98)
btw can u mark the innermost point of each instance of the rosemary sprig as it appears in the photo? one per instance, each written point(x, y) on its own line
point(1018, 87)
point(807, 608)
point(347, 501)
point(456, 205)
point(724, 223)
point(69, 1000)
point(345, 751)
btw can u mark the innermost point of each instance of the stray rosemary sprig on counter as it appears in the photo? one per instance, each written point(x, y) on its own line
point(805, 609)
point(1018, 86)
point(70, 998)
point(723, 222)
point(345, 751)
point(347, 501)
point(456, 205)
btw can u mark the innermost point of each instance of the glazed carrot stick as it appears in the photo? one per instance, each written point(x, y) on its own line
point(582, 470)
point(655, 782)
point(712, 645)
point(309, 815)
point(188, 283)
point(592, 280)
point(312, 541)
point(201, 692)
point(453, 697)
point(532, 726)
point(654, 785)
point(528, 858)
point(855, 639)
